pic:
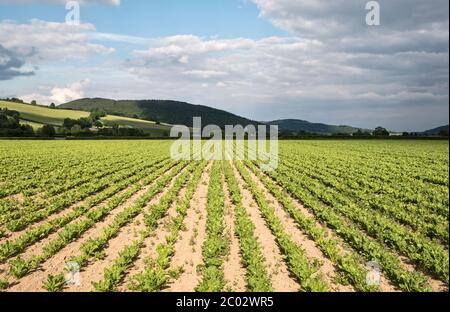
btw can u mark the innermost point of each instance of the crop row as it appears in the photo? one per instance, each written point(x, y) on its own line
point(215, 245)
point(358, 239)
point(13, 247)
point(349, 265)
point(430, 226)
point(35, 170)
point(114, 274)
point(20, 267)
point(411, 194)
point(257, 277)
point(63, 201)
point(429, 255)
point(34, 208)
point(297, 261)
point(156, 274)
point(94, 248)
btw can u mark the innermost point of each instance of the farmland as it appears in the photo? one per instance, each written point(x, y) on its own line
point(38, 116)
point(133, 219)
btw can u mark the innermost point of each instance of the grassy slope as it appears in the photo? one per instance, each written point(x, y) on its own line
point(136, 123)
point(37, 116)
point(125, 108)
point(43, 115)
point(35, 125)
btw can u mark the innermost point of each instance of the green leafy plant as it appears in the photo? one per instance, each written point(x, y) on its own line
point(54, 283)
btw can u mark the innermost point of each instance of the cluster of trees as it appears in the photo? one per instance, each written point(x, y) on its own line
point(115, 130)
point(47, 131)
point(283, 133)
point(442, 133)
point(15, 100)
point(83, 125)
point(10, 124)
point(361, 133)
point(52, 105)
point(379, 132)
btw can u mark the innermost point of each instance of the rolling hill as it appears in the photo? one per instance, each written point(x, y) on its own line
point(437, 131)
point(155, 117)
point(173, 112)
point(37, 116)
point(169, 112)
point(296, 125)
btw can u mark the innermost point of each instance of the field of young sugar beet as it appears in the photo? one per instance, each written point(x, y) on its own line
point(133, 219)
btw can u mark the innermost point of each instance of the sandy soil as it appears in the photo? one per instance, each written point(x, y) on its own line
point(94, 272)
point(281, 278)
point(327, 269)
point(234, 271)
point(148, 250)
point(57, 263)
point(386, 285)
point(188, 248)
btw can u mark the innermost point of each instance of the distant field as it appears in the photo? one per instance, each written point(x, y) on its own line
point(134, 219)
point(37, 116)
point(33, 124)
point(43, 115)
point(137, 123)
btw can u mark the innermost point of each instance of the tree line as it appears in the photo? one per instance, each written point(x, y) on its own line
point(10, 126)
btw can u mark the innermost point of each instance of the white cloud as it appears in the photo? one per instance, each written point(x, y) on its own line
point(327, 19)
point(183, 46)
point(184, 59)
point(312, 73)
point(49, 41)
point(205, 74)
point(273, 66)
point(59, 95)
point(332, 68)
point(118, 38)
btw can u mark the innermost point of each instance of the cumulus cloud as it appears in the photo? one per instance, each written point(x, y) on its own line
point(394, 66)
point(330, 67)
point(181, 49)
point(339, 18)
point(333, 61)
point(11, 64)
point(41, 41)
point(284, 71)
point(59, 95)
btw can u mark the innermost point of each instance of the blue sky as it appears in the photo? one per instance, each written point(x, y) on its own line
point(159, 18)
point(265, 59)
